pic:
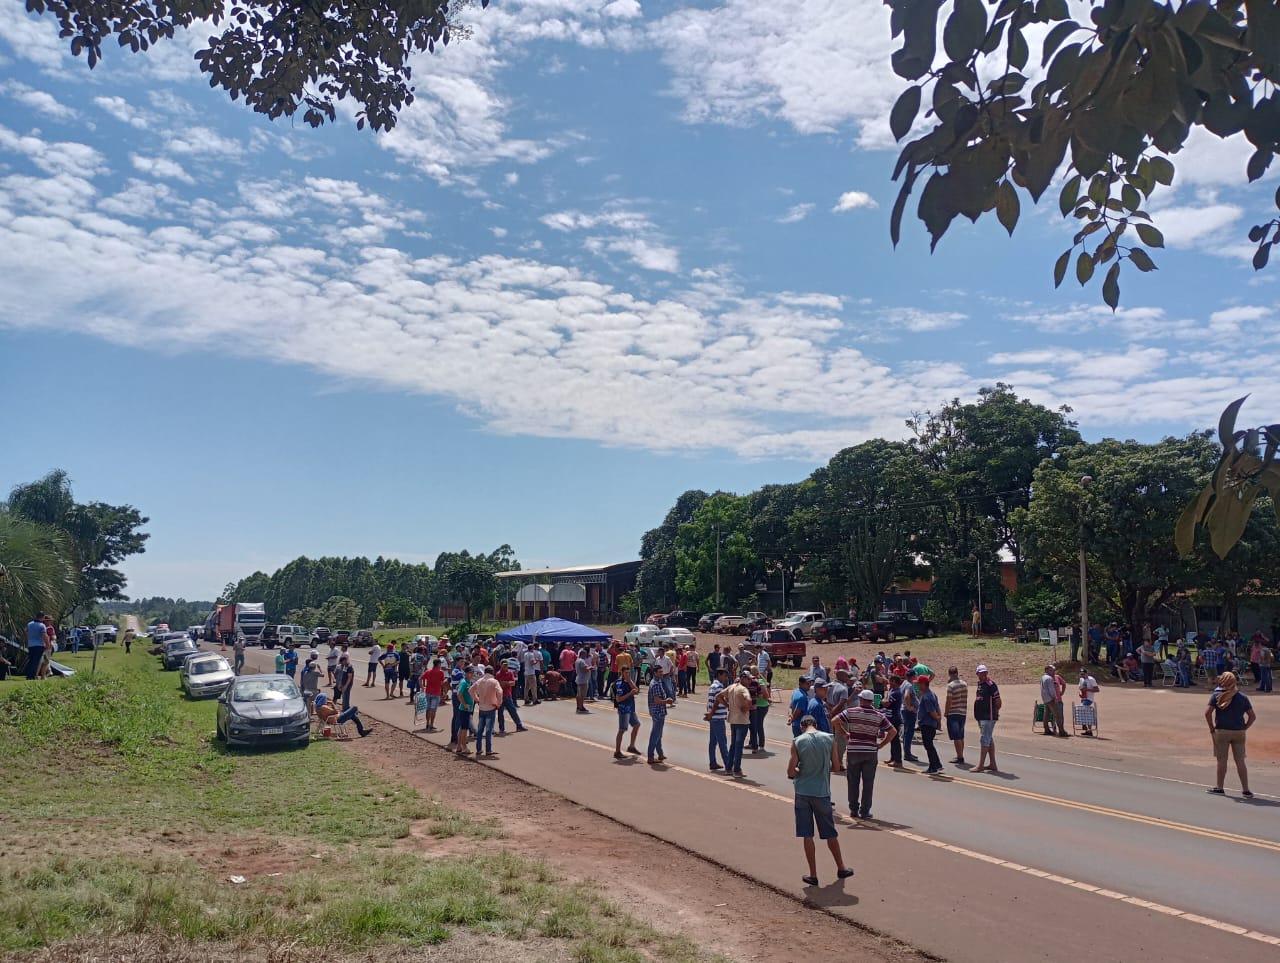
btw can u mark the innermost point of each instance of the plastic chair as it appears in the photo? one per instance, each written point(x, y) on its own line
point(1170, 676)
point(1084, 717)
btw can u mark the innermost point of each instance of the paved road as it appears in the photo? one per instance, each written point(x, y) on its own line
point(1048, 857)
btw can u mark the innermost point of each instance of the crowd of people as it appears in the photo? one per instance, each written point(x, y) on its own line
point(1207, 655)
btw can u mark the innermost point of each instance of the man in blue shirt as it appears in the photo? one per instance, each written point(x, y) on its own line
point(812, 756)
point(457, 676)
point(817, 706)
point(929, 719)
point(799, 703)
point(717, 716)
point(35, 644)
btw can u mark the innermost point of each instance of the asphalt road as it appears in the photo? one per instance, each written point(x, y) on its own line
point(1049, 860)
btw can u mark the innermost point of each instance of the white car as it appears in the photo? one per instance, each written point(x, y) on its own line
point(205, 675)
point(431, 640)
point(640, 634)
point(801, 624)
point(671, 637)
point(729, 623)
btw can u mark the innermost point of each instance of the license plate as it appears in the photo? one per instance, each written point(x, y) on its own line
point(273, 731)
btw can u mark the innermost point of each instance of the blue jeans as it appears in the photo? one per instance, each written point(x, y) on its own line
point(655, 736)
point(1184, 675)
point(352, 715)
point(908, 731)
point(484, 734)
point(716, 741)
point(454, 722)
point(34, 654)
point(757, 725)
point(508, 707)
point(1264, 685)
point(738, 738)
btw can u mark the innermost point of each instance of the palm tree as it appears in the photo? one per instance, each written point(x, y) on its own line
point(38, 572)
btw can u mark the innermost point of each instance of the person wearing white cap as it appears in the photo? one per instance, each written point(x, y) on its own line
point(986, 712)
point(866, 730)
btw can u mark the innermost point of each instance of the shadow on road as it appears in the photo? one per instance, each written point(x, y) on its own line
point(831, 894)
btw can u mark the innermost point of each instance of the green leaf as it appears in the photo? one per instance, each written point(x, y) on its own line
point(1054, 10)
point(1161, 170)
point(1084, 268)
point(1150, 236)
point(1007, 205)
point(1227, 422)
point(1055, 38)
point(1111, 287)
point(1018, 51)
point(1261, 256)
point(904, 112)
point(1141, 260)
point(1099, 188)
point(965, 29)
point(1060, 267)
point(1130, 198)
point(1070, 193)
point(1259, 163)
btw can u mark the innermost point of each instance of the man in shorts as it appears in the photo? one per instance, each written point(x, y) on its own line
point(624, 700)
point(433, 690)
point(812, 756)
point(582, 678)
point(390, 671)
point(371, 678)
point(986, 712)
point(956, 711)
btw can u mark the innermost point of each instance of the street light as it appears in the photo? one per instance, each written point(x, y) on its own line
point(1085, 482)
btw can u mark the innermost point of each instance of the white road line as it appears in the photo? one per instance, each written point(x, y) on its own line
point(1119, 772)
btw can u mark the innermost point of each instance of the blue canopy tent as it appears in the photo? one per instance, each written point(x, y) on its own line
point(553, 630)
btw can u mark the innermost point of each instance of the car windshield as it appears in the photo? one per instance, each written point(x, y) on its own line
point(266, 690)
point(180, 644)
point(205, 666)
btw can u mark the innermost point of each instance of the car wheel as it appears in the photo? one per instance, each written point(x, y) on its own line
point(891, 637)
point(928, 633)
point(795, 661)
point(217, 732)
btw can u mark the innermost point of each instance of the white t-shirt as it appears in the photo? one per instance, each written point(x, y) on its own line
point(332, 657)
point(1089, 687)
point(375, 653)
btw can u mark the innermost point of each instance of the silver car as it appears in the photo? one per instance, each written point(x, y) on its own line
point(208, 674)
point(263, 710)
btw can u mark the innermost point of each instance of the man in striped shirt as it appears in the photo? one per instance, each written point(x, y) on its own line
point(716, 717)
point(867, 730)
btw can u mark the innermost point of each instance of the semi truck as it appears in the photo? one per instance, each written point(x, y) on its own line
point(236, 620)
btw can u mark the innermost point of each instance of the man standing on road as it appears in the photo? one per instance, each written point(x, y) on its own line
point(910, 714)
point(390, 670)
point(659, 700)
point(290, 661)
point(624, 700)
point(986, 712)
point(837, 701)
point(893, 712)
point(507, 679)
point(737, 698)
point(582, 678)
point(1088, 693)
point(371, 677)
point(817, 706)
point(799, 704)
point(404, 667)
point(818, 671)
point(433, 690)
point(717, 716)
point(929, 719)
point(812, 758)
point(344, 678)
point(487, 691)
point(1048, 695)
point(237, 656)
point(1147, 656)
point(692, 652)
point(464, 703)
point(530, 660)
point(957, 710)
point(866, 731)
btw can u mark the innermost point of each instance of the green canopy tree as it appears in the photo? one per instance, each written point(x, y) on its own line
point(1124, 517)
point(38, 572)
point(724, 519)
point(1108, 101)
point(468, 579)
point(656, 580)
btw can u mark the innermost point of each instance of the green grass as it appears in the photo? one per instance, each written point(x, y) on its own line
point(124, 816)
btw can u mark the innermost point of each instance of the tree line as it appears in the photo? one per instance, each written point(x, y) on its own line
point(354, 592)
point(975, 484)
point(59, 556)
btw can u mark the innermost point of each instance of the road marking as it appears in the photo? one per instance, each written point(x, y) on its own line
point(973, 854)
point(1119, 772)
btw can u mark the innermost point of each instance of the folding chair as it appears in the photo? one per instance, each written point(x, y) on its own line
point(1037, 716)
point(1084, 717)
point(420, 709)
point(1170, 677)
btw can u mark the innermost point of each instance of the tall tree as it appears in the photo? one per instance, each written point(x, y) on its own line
point(716, 538)
point(469, 579)
point(1124, 516)
point(1120, 94)
point(38, 572)
point(656, 581)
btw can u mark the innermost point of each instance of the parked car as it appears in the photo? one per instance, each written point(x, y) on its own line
point(104, 634)
point(363, 637)
point(640, 633)
point(682, 618)
point(801, 624)
point(263, 710)
point(672, 636)
point(284, 634)
point(708, 622)
point(321, 633)
point(657, 618)
point(342, 637)
point(729, 624)
point(891, 626)
point(781, 645)
point(755, 622)
point(177, 651)
point(835, 630)
point(430, 640)
point(206, 674)
point(269, 637)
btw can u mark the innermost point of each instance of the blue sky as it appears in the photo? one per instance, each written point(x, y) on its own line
point(614, 251)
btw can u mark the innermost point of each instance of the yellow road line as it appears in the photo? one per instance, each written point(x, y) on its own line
point(972, 854)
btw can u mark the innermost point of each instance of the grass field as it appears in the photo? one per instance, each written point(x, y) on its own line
point(124, 818)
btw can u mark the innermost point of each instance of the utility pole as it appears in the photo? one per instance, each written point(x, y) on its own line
point(717, 531)
point(1085, 482)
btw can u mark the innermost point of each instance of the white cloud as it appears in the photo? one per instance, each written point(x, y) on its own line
point(123, 111)
point(511, 178)
point(623, 9)
point(796, 213)
point(649, 255)
point(852, 201)
point(498, 232)
point(918, 320)
point(203, 142)
point(34, 39)
point(54, 157)
point(38, 100)
point(1197, 226)
point(161, 167)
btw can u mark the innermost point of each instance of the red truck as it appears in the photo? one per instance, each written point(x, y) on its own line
point(781, 645)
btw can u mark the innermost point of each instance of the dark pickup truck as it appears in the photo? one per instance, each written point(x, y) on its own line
point(781, 645)
point(891, 626)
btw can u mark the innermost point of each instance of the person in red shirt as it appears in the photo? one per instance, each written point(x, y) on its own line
point(433, 689)
point(682, 670)
point(567, 659)
point(507, 678)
